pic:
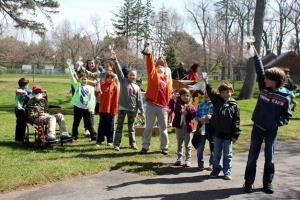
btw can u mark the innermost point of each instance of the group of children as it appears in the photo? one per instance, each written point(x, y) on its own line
point(218, 115)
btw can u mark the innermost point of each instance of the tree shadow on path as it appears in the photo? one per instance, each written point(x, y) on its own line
point(207, 195)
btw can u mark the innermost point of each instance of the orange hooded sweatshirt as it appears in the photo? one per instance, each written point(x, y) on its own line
point(109, 98)
point(154, 81)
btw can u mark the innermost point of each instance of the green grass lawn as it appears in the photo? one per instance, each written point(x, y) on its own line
point(24, 166)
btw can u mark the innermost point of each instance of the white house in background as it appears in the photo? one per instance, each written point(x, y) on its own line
point(26, 68)
point(48, 69)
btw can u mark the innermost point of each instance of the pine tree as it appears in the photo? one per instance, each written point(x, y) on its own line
point(138, 17)
point(172, 58)
point(148, 14)
point(23, 12)
point(124, 24)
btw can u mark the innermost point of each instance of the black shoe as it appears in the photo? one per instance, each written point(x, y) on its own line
point(268, 188)
point(248, 188)
point(93, 137)
point(143, 151)
point(165, 152)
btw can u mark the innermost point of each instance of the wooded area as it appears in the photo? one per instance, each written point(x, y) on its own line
point(222, 26)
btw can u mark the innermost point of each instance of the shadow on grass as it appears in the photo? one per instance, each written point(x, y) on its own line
point(8, 108)
point(207, 194)
point(295, 118)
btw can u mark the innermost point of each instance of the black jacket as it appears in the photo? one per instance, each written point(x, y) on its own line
point(226, 116)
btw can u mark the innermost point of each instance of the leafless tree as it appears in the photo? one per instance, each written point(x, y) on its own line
point(199, 12)
point(283, 9)
point(247, 89)
point(294, 18)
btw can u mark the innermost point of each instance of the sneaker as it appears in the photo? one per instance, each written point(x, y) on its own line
point(117, 148)
point(134, 147)
point(209, 168)
point(51, 137)
point(144, 151)
point(19, 142)
point(87, 133)
point(165, 152)
point(188, 163)
point(268, 188)
point(201, 166)
point(227, 177)
point(66, 137)
point(248, 188)
point(93, 137)
point(213, 174)
point(110, 144)
point(178, 162)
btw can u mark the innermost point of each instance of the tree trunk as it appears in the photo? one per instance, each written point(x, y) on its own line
point(249, 82)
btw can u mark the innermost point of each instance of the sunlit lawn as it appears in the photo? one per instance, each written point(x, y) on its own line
point(24, 166)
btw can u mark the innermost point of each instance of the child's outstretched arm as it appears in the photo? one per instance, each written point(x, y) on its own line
point(149, 59)
point(259, 68)
point(119, 71)
point(212, 94)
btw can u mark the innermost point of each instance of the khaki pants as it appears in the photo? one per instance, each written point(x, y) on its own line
point(184, 137)
point(50, 120)
point(153, 112)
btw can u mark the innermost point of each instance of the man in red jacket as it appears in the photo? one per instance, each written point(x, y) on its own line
point(157, 96)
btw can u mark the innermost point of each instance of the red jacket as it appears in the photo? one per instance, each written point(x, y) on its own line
point(109, 98)
point(193, 76)
point(154, 80)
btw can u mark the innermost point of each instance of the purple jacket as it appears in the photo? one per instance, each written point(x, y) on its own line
point(191, 113)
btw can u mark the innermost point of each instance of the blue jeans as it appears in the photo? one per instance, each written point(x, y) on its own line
point(226, 146)
point(201, 147)
point(257, 138)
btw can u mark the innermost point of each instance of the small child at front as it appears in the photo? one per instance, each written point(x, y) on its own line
point(203, 116)
point(22, 96)
point(271, 111)
point(226, 122)
point(108, 108)
point(185, 112)
point(83, 102)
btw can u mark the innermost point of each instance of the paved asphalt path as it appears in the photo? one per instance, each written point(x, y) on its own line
point(186, 184)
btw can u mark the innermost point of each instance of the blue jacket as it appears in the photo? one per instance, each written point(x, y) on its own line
point(272, 107)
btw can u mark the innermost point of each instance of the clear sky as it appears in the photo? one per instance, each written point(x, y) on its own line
point(80, 11)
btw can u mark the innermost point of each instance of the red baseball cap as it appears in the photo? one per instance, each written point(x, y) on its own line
point(37, 89)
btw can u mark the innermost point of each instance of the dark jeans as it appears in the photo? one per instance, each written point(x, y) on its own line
point(86, 115)
point(257, 138)
point(106, 128)
point(200, 150)
point(20, 125)
point(93, 117)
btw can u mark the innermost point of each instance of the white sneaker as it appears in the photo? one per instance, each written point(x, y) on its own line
point(51, 137)
point(87, 133)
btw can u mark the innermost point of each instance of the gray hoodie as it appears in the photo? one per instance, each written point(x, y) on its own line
point(130, 93)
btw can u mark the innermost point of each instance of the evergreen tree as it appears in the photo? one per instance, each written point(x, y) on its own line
point(23, 12)
point(148, 14)
point(171, 57)
point(124, 24)
point(138, 17)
